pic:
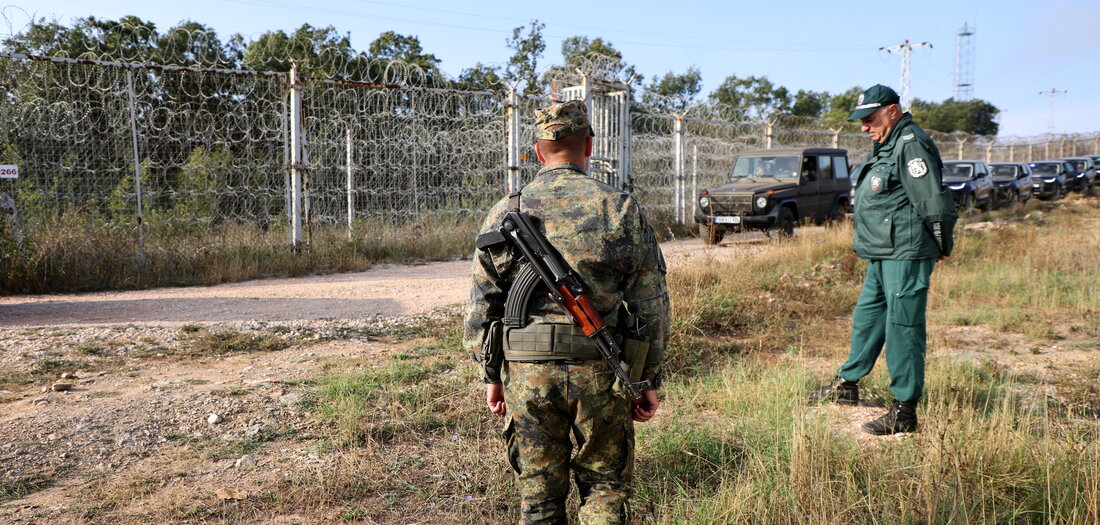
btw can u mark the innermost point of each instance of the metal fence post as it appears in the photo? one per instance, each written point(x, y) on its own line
point(960, 154)
point(768, 135)
point(625, 149)
point(989, 152)
point(351, 194)
point(694, 181)
point(296, 150)
point(137, 165)
point(1012, 152)
point(512, 181)
point(679, 158)
point(836, 138)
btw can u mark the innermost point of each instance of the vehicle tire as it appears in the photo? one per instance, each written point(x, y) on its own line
point(968, 204)
point(1057, 193)
point(1013, 199)
point(784, 225)
point(987, 205)
point(710, 234)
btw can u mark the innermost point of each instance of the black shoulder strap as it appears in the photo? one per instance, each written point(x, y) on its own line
point(513, 200)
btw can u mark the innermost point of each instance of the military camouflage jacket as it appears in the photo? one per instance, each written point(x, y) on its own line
point(901, 206)
point(601, 233)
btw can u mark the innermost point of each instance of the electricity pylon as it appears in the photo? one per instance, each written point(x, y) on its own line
point(904, 49)
point(1053, 93)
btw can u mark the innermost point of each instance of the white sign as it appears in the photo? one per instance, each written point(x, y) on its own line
point(9, 171)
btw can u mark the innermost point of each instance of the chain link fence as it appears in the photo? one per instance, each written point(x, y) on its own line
point(212, 147)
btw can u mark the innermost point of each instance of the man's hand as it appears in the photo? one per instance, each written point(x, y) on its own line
point(494, 398)
point(942, 258)
point(646, 406)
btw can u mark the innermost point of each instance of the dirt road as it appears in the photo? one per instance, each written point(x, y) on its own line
point(385, 291)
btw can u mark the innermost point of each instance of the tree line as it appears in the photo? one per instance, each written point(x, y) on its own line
point(325, 52)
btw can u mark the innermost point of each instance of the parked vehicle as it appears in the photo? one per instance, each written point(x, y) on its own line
point(970, 184)
point(1048, 178)
point(1084, 172)
point(773, 189)
point(1012, 181)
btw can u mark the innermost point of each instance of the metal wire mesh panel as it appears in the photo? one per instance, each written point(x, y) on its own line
point(414, 153)
point(67, 127)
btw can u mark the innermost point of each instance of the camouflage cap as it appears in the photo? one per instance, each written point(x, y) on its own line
point(571, 115)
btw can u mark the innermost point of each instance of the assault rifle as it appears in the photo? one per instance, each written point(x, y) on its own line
point(545, 264)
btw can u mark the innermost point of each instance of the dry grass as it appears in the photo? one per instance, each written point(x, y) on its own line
point(405, 438)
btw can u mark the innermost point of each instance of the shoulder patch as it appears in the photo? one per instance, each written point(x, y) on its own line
point(910, 136)
point(917, 168)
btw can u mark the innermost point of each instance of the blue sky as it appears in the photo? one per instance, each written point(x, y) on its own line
point(1021, 48)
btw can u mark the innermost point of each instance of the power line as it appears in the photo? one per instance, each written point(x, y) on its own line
point(774, 46)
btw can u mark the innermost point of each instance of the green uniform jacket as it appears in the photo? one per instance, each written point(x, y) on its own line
point(900, 199)
point(601, 233)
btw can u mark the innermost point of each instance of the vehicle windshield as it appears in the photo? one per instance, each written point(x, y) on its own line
point(1007, 171)
point(1046, 168)
point(785, 167)
point(958, 171)
point(1079, 165)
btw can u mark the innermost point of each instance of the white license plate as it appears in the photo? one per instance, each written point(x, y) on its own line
point(727, 220)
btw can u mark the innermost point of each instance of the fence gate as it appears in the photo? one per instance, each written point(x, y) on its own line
point(609, 110)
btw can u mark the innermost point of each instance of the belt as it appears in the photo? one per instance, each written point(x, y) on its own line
point(548, 342)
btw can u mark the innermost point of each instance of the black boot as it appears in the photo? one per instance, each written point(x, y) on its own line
point(902, 417)
point(842, 392)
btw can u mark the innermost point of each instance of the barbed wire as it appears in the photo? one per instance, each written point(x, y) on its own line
point(214, 141)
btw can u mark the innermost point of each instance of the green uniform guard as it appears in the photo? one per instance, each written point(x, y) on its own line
point(904, 220)
point(550, 381)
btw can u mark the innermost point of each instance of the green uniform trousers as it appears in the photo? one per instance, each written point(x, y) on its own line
point(546, 403)
point(890, 310)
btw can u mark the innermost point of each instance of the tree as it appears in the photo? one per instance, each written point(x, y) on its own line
point(480, 76)
point(594, 57)
point(752, 96)
point(319, 52)
point(809, 103)
point(971, 116)
point(840, 106)
point(394, 46)
point(673, 93)
point(523, 66)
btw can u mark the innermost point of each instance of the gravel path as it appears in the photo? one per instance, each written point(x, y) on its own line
point(384, 291)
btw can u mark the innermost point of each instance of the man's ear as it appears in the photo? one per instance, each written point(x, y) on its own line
point(588, 146)
point(538, 153)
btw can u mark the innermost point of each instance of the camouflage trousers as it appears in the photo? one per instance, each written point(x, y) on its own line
point(546, 403)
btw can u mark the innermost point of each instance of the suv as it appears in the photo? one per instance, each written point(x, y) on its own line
point(970, 184)
point(1048, 178)
point(1012, 181)
point(773, 189)
point(1084, 173)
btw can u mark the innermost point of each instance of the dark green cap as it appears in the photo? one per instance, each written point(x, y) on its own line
point(875, 97)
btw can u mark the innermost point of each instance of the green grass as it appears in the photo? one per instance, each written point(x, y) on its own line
point(14, 489)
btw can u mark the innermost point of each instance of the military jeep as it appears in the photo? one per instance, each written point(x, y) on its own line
point(774, 189)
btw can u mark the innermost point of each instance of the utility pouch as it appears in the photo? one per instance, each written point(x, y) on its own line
point(492, 352)
point(634, 356)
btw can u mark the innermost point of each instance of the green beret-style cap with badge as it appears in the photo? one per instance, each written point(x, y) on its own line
point(873, 98)
point(571, 116)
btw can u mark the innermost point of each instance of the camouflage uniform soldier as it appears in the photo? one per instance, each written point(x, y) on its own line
point(551, 377)
point(903, 224)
